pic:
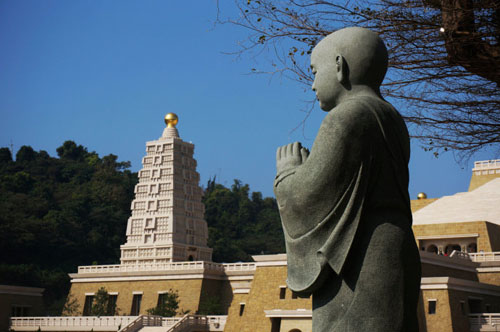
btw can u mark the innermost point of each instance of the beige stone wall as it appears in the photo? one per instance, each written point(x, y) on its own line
point(289, 324)
point(189, 293)
point(449, 316)
point(494, 234)
point(431, 270)
point(417, 204)
point(477, 181)
point(441, 320)
point(492, 278)
point(264, 295)
point(480, 227)
point(234, 320)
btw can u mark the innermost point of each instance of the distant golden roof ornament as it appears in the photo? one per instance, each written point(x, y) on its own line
point(422, 196)
point(171, 120)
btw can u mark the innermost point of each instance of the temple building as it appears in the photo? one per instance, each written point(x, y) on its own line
point(166, 250)
point(167, 213)
point(468, 222)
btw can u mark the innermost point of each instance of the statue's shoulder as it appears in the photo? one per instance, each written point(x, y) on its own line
point(355, 112)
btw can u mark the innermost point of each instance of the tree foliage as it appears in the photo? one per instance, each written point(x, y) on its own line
point(241, 224)
point(102, 304)
point(444, 57)
point(71, 306)
point(58, 213)
point(168, 305)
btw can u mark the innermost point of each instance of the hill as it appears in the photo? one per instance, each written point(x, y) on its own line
point(58, 213)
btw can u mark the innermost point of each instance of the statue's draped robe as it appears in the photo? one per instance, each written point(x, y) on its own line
point(347, 222)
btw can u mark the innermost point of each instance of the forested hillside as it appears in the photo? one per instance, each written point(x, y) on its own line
point(58, 213)
point(241, 224)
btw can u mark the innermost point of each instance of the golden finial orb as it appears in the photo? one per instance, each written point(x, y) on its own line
point(422, 196)
point(171, 120)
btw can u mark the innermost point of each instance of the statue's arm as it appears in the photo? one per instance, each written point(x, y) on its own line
point(343, 141)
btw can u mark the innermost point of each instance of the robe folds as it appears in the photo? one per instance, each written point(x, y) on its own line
point(347, 222)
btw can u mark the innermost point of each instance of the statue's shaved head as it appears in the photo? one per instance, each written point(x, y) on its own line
point(363, 51)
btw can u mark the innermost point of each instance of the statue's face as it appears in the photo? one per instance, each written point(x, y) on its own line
point(326, 84)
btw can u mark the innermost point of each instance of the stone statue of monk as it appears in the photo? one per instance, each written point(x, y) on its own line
point(344, 206)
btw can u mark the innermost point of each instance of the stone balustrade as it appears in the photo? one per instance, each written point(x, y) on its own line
point(239, 266)
point(485, 256)
point(80, 323)
point(170, 321)
point(142, 321)
point(199, 322)
point(174, 266)
point(486, 167)
point(219, 319)
point(487, 164)
point(484, 322)
point(116, 323)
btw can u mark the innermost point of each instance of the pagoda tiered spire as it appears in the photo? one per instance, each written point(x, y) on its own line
point(167, 222)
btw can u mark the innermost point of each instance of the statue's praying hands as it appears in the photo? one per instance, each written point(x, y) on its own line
point(290, 156)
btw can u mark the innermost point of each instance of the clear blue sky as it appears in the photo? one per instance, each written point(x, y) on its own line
point(104, 73)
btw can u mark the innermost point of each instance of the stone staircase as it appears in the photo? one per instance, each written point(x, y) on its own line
point(188, 323)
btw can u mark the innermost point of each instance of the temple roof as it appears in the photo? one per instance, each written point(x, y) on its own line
point(481, 204)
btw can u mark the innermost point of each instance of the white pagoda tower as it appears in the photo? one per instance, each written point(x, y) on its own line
point(167, 222)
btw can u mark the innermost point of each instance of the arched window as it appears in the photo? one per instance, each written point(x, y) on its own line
point(295, 330)
point(432, 248)
point(472, 247)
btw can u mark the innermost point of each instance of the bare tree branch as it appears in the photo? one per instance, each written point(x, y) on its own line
point(444, 57)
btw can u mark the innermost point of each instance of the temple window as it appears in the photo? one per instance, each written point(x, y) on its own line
point(87, 307)
point(282, 292)
point(242, 308)
point(431, 307)
point(136, 305)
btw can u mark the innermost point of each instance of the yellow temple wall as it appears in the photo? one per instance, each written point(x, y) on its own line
point(189, 291)
point(264, 295)
point(477, 181)
point(477, 227)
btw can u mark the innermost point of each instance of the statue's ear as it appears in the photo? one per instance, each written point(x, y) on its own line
point(342, 75)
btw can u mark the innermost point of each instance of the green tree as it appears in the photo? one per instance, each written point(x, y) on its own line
point(239, 226)
point(71, 306)
point(25, 154)
point(5, 155)
point(168, 305)
point(71, 151)
point(102, 304)
point(51, 208)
